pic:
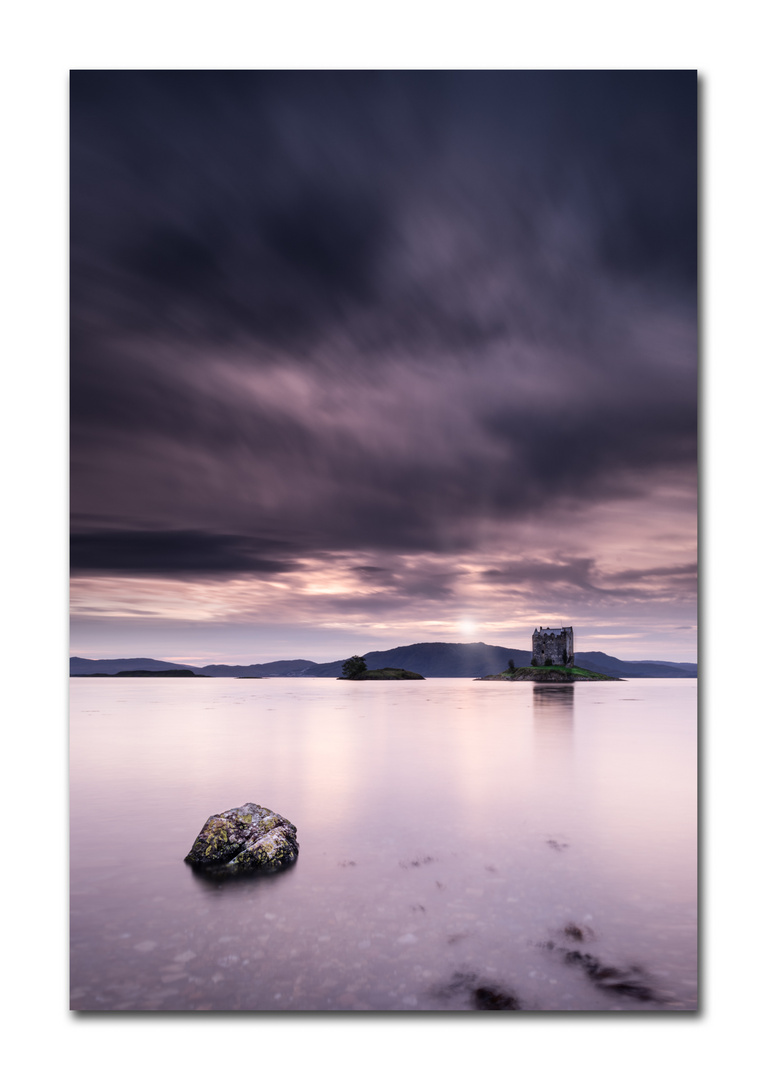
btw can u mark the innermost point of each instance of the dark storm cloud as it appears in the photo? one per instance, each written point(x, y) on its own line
point(686, 572)
point(193, 212)
point(175, 553)
point(605, 445)
point(423, 582)
point(573, 577)
point(268, 204)
point(573, 571)
point(585, 576)
point(367, 310)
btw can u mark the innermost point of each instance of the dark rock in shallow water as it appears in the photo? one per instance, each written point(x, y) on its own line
point(630, 982)
point(481, 996)
point(244, 839)
point(491, 998)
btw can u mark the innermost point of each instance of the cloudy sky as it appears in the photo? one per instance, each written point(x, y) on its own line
point(360, 359)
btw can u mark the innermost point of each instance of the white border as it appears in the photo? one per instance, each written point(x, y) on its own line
point(41, 43)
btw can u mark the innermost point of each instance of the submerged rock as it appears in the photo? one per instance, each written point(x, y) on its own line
point(481, 996)
point(244, 839)
point(491, 998)
point(630, 981)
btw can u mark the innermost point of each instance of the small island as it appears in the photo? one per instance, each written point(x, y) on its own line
point(554, 674)
point(355, 669)
point(553, 661)
point(381, 673)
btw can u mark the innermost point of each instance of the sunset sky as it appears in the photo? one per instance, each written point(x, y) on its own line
point(360, 359)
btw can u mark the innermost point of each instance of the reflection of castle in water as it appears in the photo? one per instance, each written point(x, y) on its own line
point(554, 697)
point(554, 726)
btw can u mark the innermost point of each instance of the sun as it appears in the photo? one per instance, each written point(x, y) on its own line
point(466, 626)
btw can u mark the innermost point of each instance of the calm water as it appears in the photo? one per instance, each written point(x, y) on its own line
point(455, 837)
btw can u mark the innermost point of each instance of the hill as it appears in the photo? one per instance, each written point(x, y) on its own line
point(432, 659)
point(436, 660)
point(79, 665)
point(243, 671)
point(445, 660)
point(635, 669)
point(133, 673)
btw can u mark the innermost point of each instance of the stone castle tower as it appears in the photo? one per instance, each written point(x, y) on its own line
point(554, 646)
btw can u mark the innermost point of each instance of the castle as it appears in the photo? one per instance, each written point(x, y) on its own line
point(553, 647)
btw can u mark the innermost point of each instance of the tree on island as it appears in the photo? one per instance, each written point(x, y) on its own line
point(512, 666)
point(355, 665)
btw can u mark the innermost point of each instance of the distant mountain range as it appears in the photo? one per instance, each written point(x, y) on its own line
point(432, 659)
point(78, 665)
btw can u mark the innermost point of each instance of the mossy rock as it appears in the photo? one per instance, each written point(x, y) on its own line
point(243, 840)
